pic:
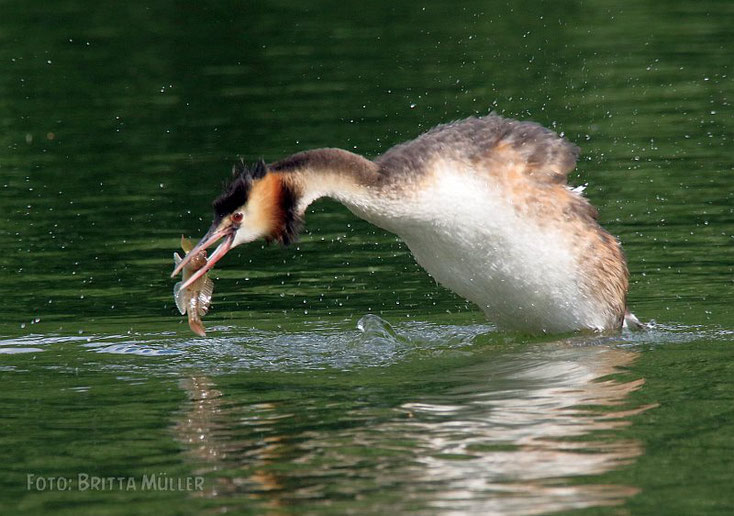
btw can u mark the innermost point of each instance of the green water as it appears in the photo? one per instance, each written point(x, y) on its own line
point(337, 377)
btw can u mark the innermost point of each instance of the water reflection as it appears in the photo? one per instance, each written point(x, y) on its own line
point(507, 435)
point(207, 429)
point(511, 449)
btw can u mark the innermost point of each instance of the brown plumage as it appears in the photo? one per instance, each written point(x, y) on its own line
point(493, 139)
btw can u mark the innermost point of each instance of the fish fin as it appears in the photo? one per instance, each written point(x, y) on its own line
point(176, 260)
point(186, 244)
point(178, 296)
point(196, 326)
point(205, 296)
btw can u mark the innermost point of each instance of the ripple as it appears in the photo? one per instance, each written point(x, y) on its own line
point(16, 350)
point(502, 435)
point(371, 342)
point(135, 349)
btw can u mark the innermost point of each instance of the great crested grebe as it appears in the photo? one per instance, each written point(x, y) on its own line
point(482, 204)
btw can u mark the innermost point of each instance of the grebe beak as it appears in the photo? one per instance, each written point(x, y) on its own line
point(213, 235)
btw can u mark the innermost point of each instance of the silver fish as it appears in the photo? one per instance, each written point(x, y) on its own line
point(195, 299)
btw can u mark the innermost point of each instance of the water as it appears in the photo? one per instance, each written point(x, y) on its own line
point(337, 377)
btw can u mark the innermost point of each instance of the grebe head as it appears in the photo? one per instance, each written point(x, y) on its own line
point(257, 203)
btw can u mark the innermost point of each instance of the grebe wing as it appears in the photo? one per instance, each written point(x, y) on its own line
point(490, 144)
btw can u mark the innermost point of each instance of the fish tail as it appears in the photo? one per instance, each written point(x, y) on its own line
point(196, 325)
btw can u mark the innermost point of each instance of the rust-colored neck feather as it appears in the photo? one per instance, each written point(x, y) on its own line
point(273, 202)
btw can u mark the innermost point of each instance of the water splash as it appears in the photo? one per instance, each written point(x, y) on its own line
point(371, 342)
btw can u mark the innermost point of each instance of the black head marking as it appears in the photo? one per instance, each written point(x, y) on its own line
point(235, 195)
point(237, 191)
point(239, 168)
point(256, 171)
point(259, 169)
point(292, 221)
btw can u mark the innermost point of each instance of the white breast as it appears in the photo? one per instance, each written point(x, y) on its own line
point(464, 230)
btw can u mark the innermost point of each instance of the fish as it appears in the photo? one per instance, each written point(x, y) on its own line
point(195, 299)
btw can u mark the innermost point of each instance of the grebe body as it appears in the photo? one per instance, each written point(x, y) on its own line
point(482, 204)
point(524, 273)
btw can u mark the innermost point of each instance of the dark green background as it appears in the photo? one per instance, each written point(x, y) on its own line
point(118, 123)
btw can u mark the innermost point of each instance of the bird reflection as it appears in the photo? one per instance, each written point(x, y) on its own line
point(508, 437)
point(512, 450)
point(205, 429)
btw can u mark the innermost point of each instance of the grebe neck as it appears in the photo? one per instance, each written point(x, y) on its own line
point(335, 173)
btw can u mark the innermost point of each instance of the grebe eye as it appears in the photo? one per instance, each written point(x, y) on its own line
point(237, 217)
